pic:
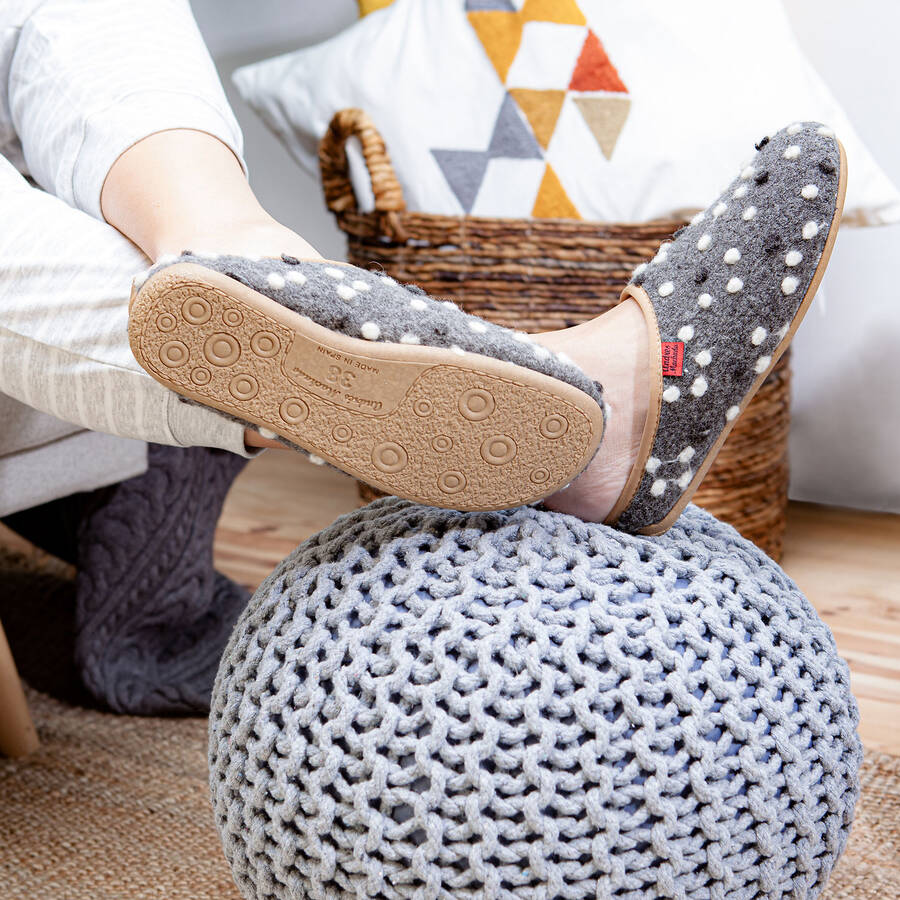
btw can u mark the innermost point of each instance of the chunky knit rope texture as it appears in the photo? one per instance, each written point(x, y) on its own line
point(425, 703)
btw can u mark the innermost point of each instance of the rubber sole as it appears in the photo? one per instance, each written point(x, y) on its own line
point(460, 431)
point(640, 296)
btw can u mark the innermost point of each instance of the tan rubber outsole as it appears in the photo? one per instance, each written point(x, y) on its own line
point(461, 431)
point(640, 296)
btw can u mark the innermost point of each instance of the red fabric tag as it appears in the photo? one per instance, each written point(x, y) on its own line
point(672, 358)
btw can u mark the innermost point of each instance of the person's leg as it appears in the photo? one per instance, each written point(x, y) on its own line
point(64, 287)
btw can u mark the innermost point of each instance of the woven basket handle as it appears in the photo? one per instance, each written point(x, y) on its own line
point(333, 164)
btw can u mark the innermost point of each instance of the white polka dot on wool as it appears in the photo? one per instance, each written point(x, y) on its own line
point(477, 326)
point(166, 259)
point(386, 279)
point(370, 331)
point(521, 337)
point(685, 479)
point(748, 172)
point(671, 394)
point(809, 192)
point(824, 131)
point(740, 192)
point(698, 388)
point(762, 364)
point(718, 209)
point(686, 455)
point(658, 488)
point(758, 336)
point(652, 465)
point(793, 258)
point(810, 230)
point(782, 331)
point(686, 332)
point(138, 280)
point(458, 350)
point(749, 213)
point(703, 358)
point(639, 270)
point(345, 292)
point(796, 128)
point(268, 434)
point(334, 273)
point(792, 152)
point(665, 289)
point(316, 460)
point(732, 256)
point(361, 286)
point(732, 413)
point(704, 242)
point(274, 280)
point(661, 255)
point(418, 303)
point(296, 277)
point(565, 359)
point(540, 352)
point(698, 218)
point(734, 285)
point(704, 301)
point(449, 304)
point(789, 285)
point(409, 338)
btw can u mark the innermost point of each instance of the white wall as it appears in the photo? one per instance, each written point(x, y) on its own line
point(847, 379)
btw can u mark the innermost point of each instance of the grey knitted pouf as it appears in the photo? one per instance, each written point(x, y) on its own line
point(424, 703)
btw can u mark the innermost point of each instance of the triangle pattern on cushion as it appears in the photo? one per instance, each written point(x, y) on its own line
point(562, 12)
point(605, 116)
point(511, 138)
point(542, 109)
point(594, 71)
point(464, 171)
point(552, 201)
point(500, 34)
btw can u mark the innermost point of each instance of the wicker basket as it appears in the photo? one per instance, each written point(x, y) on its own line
point(543, 274)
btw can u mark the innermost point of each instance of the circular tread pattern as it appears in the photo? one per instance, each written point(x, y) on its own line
point(233, 318)
point(452, 481)
point(200, 375)
point(243, 387)
point(498, 449)
point(265, 344)
point(554, 426)
point(196, 310)
point(476, 404)
point(539, 475)
point(293, 410)
point(441, 443)
point(173, 354)
point(423, 407)
point(389, 457)
point(222, 349)
point(166, 322)
point(342, 433)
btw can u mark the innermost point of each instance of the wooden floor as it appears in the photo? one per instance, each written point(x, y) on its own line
point(847, 563)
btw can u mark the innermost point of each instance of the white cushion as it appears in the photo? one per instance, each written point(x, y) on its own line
point(703, 80)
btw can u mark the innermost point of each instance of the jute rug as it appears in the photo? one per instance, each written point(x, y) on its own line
point(113, 807)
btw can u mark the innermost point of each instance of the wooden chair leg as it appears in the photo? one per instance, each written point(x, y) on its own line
point(17, 734)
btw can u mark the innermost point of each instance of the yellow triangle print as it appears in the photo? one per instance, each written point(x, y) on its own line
point(605, 116)
point(370, 6)
point(542, 109)
point(552, 201)
point(562, 12)
point(500, 34)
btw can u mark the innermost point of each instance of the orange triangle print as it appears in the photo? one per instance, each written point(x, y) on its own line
point(500, 34)
point(552, 201)
point(562, 12)
point(542, 109)
point(594, 71)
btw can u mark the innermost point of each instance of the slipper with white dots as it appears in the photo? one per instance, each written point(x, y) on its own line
point(722, 302)
point(404, 392)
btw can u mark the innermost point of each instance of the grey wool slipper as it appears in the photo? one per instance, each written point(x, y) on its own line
point(722, 302)
point(402, 391)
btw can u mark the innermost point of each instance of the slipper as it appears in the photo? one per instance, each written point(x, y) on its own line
point(722, 302)
point(406, 393)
